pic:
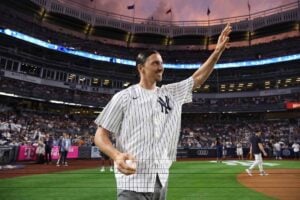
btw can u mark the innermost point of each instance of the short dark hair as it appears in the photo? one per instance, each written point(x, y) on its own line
point(142, 56)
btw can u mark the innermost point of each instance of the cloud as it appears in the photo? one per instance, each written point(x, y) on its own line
point(160, 11)
point(182, 10)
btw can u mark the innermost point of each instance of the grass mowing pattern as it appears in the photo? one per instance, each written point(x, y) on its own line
point(191, 180)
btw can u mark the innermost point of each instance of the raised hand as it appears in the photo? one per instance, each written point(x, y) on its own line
point(224, 39)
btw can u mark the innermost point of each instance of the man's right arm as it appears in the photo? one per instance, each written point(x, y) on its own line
point(104, 143)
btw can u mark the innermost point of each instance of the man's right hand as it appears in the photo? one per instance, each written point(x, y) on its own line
point(124, 167)
point(265, 154)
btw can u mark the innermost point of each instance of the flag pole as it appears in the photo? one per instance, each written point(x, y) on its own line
point(133, 12)
point(249, 12)
point(298, 13)
point(171, 16)
point(208, 26)
point(208, 21)
point(94, 5)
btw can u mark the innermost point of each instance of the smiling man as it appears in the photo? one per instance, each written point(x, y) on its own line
point(146, 122)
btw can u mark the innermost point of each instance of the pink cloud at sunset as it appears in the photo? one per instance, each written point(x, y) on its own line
point(182, 10)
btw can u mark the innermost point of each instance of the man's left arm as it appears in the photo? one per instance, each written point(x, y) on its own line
point(261, 147)
point(202, 74)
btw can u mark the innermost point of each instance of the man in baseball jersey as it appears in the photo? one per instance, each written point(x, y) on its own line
point(256, 148)
point(296, 148)
point(239, 150)
point(145, 120)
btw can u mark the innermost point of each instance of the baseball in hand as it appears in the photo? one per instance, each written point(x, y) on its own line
point(131, 163)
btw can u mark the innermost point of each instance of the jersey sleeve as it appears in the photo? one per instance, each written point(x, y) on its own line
point(259, 140)
point(182, 91)
point(112, 115)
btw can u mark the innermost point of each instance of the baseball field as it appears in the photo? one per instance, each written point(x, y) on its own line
point(189, 180)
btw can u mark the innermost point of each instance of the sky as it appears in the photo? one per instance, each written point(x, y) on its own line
point(182, 10)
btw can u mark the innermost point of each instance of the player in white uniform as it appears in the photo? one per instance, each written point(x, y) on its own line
point(296, 148)
point(145, 120)
point(239, 151)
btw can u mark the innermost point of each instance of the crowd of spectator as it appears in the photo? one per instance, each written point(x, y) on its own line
point(205, 134)
point(28, 89)
point(274, 102)
point(20, 128)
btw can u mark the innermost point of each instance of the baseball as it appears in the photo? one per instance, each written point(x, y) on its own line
point(131, 163)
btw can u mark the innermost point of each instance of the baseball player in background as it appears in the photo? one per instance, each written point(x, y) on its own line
point(256, 148)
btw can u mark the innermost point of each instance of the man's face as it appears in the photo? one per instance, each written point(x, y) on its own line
point(153, 68)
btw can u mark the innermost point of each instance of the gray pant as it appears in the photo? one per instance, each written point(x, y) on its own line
point(160, 193)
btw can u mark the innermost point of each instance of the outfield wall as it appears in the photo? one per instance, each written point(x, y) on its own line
point(9, 154)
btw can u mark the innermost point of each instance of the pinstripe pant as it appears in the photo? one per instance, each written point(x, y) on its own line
point(160, 193)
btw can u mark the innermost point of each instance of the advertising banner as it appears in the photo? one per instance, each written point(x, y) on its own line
point(95, 153)
point(26, 152)
point(73, 152)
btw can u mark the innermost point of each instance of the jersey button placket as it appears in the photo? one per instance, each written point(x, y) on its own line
point(155, 118)
point(156, 109)
point(156, 127)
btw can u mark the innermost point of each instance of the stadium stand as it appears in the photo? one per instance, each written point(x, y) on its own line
point(44, 91)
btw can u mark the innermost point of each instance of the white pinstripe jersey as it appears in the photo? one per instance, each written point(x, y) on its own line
point(146, 125)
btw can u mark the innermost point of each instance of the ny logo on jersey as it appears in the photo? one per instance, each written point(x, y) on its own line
point(165, 106)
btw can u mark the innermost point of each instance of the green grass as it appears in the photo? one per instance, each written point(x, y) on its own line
point(188, 180)
point(204, 180)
